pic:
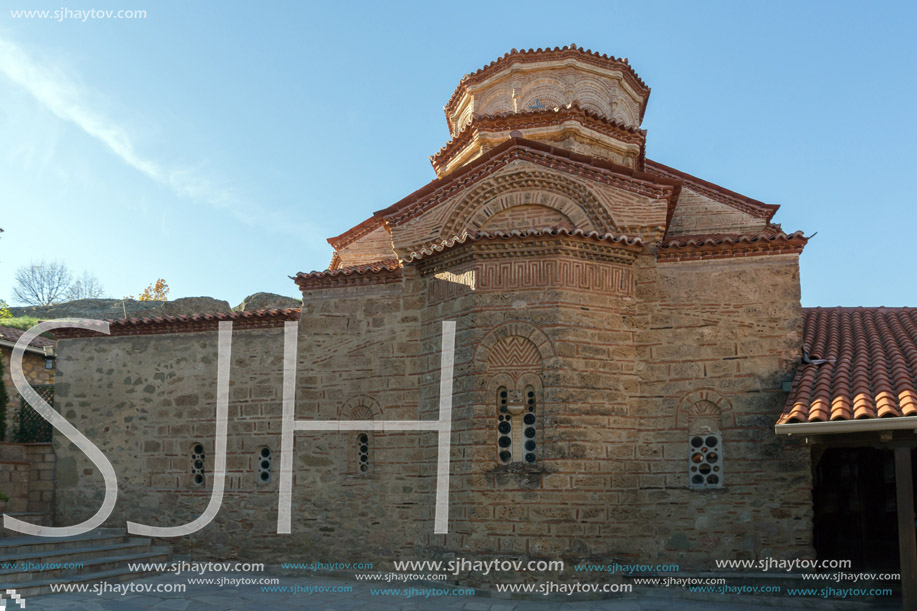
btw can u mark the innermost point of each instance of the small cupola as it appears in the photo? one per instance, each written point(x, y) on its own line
point(566, 97)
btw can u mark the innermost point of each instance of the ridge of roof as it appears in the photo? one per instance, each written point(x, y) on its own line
point(549, 54)
point(634, 243)
point(714, 191)
point(858, 363)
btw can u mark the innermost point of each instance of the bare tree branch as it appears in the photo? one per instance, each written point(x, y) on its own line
point(41, 283)
point(86, 286)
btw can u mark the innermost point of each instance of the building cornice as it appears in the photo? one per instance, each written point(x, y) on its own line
point(194, 323)
point(718, 246)
point(381, 272)
point(532, 119)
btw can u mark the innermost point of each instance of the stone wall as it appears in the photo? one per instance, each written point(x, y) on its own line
point(624, 373)
point(27, 476)
point(146, 401)
point(715, 341)
point(698, 214)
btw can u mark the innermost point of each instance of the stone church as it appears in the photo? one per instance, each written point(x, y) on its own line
point(626, 334)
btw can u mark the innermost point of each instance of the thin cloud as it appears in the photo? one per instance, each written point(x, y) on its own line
point(62, 97)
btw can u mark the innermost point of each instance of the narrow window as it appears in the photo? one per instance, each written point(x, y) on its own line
point(197, 464)
point(528, 419)
point(363, 463)
point(504, 427)
point(705, 462)
point(265, 460)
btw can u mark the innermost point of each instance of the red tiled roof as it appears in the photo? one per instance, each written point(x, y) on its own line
point(548, 54)
point(11, 336)
point(718, 239)
point(863, 366)
point(377, 272)
point(635, 244)
point(721, 245)
point(189, 323)
point(715, 192)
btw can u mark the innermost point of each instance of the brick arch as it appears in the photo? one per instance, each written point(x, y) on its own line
point(514, 352)
point(526, 216)
point(548, 90)
point(704, 403)
point(571, 198)
point(360, 407)
point(516, 329)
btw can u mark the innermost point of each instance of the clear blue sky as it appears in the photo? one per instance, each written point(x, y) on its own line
point(218, 144)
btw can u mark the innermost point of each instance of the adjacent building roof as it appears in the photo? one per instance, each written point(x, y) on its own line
point(9, 336)
point(261, 319)
point(859, 364)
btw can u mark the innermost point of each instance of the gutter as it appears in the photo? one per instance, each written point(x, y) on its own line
point(35, 349)
point(848, 426)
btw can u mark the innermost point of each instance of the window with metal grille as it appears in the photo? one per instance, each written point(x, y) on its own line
point(705, 462)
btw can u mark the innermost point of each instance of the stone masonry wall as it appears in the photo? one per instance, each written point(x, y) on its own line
point(27, 476)
point(359, 360)
point(697, 214)
point(630, 362)
point(146, 401)
point(715, 341)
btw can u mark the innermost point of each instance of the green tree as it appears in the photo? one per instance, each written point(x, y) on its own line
point(4, 399)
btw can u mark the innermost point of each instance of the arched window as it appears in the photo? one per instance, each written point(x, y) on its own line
point(197, 464)
point(515, 364)
point(517, 431)
point(360, 443)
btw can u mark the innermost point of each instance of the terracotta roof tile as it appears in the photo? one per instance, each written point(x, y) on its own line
point(474, 236)
point(718, 245)
point(11, 335)
point(859, 363)
point(377, 272)
point(717, 239)
point(187, 323)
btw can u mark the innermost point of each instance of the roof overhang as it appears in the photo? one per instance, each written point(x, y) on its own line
point(836, 427)
point(30, 348)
